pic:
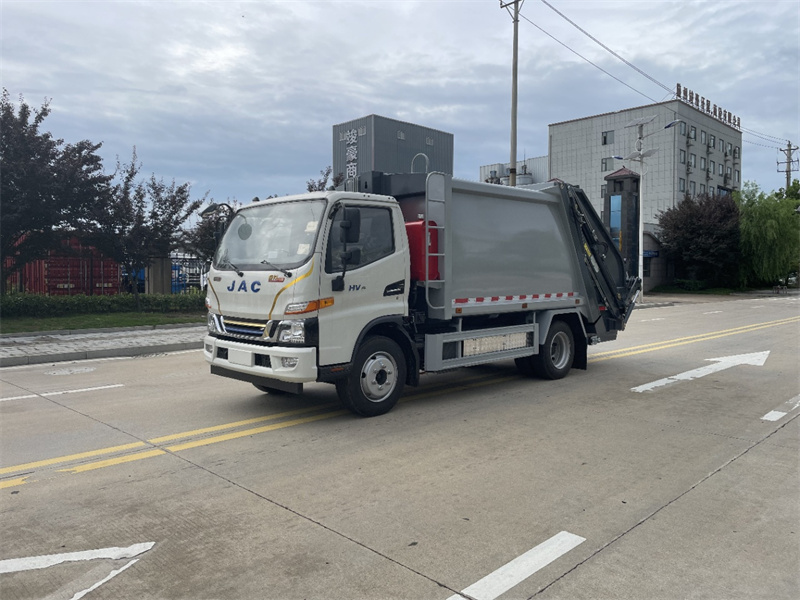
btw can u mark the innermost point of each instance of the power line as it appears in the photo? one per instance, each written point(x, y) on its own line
point(763, 136)
point(606, 48)
point(586, 59)
point(757, 144)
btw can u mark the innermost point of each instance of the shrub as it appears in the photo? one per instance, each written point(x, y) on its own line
point(40, 306)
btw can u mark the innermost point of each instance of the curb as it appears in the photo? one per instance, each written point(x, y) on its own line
point(100, 330)
point(37, 359)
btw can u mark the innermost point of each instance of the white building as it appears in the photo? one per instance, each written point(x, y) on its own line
point(700, 154)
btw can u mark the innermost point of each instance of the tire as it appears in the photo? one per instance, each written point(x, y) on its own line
point(556, 354)
point(376, 381)
point(269, 390)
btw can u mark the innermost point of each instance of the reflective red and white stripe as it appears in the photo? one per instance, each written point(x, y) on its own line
point(485, 300)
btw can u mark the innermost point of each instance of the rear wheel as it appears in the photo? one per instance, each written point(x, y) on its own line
point(376, 382)
point(556, 354)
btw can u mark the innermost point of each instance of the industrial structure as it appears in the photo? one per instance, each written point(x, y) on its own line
point(375, 143)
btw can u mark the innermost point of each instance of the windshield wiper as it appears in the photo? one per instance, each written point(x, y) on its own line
point(226, 263)
point(271, 266)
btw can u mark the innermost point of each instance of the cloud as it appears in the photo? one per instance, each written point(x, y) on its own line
point(239, 98)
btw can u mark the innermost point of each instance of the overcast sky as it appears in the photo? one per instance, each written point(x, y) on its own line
point(239, 98)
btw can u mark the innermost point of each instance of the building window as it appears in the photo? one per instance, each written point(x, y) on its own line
point(736, 152)
point(737, 176)
point(702, 189)
point(702, 137)
point(683, 128)
point(606, 164)
point(603, 189)
point(693, 132)
point(401, 135)
point(702, 163)
point(683, 157)
point(712, 167)
point(721, 145)
point(730, 149)
point(712, 141)
point(608, 138)
point(681, 185)
point(721, 169)
point(692, 160)
point(646, 266)
point(692, 189)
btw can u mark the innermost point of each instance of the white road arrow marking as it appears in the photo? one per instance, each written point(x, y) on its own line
point(756, 359)
point(13, 565)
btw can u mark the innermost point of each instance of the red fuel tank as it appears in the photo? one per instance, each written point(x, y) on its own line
point(416, 244)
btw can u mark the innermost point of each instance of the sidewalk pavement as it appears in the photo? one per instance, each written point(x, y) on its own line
point(59, 346)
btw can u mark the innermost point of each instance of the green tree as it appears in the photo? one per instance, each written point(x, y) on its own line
point(701, 235)
point(46, 186)
point(321, 184)
point(140, 220)
point(202, 239)
point(770, 233)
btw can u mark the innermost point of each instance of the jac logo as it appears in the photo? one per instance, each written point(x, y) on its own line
point(276, 279)
point(255, 287)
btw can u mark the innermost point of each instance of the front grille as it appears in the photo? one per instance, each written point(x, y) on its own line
point(243, 328)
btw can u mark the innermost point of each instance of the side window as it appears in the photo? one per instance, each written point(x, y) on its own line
point(376, 239)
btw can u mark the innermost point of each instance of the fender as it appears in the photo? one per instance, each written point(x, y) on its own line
point(390, 326)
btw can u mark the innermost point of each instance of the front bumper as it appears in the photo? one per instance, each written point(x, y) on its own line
point(267, 362)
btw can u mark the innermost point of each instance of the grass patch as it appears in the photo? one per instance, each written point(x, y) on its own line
point(97, 321)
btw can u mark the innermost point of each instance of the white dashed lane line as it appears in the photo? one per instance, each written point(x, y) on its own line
point(783, 410)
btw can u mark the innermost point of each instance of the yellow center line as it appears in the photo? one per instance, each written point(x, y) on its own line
point(235, 424)
point(634, 350)
point(112, 461)
point(71, 457)
point(13, 482)
point(248, 432)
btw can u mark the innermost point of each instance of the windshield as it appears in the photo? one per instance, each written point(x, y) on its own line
point(270, 237)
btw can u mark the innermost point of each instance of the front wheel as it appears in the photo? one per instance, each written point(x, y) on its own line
point(376, 382)
point(556, 354)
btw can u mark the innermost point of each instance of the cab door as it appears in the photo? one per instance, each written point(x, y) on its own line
point(374, 282)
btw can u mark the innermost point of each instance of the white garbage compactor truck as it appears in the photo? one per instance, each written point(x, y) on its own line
point(410, 273)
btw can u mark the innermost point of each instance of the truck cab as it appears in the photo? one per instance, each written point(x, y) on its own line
point(297, 280)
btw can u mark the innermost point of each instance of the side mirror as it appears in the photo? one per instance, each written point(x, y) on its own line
point(351, 225)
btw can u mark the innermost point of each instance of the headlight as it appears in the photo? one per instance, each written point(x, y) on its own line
point(292, 332)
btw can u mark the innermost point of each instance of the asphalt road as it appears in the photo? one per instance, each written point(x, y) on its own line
point(666, 470)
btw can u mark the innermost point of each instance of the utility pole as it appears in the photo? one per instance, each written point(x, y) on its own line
point(512, 174)
point(788, 152)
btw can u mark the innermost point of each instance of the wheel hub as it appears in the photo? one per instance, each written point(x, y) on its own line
point(378, 377)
